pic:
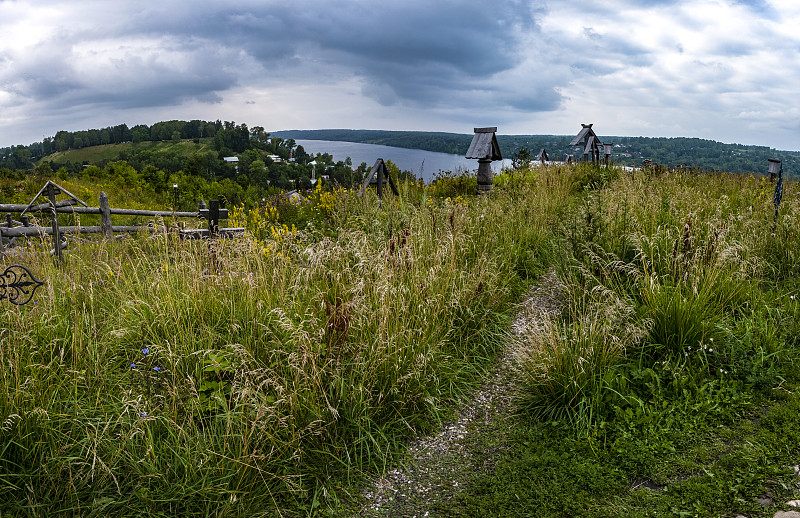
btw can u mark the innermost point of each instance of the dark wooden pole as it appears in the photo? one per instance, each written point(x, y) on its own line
point(485, 175)
point(51, 195)
point(213, 229)
point(380, 182)
point(213, 218)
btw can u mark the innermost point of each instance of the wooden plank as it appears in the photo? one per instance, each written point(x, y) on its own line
point(480, 147)
point(48, 231)
point(46, 206)
point(12, 207)
point(369, 177)
point(586, 131)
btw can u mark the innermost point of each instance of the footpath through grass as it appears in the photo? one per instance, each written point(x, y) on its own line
point(669, 386)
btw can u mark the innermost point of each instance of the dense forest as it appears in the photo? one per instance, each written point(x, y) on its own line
point(673, 152)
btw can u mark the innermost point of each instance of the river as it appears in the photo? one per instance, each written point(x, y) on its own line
point(424, 164)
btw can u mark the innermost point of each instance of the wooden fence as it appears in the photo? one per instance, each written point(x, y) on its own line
point(11, 229)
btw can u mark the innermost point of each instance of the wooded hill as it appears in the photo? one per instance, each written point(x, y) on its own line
point(191, 154)
point(673, 152)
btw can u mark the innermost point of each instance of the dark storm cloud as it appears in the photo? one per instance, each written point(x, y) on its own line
point(405, 52)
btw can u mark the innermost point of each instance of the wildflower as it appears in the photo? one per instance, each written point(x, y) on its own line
point(145, 351)
point(157, 369)
point(133, 365)
point(143, 414)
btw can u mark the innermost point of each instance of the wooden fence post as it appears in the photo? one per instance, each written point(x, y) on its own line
point(105, 216)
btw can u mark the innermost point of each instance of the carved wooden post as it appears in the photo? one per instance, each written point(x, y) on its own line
point(51, 196)
point(105, 216)
point(484, 147)
point(607, 150)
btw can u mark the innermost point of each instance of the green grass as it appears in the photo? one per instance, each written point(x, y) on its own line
point(669, 388)
point(303, 361)
point(298, 365)
point(656, 462)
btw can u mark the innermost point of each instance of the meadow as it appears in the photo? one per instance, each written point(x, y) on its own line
point(147, 380)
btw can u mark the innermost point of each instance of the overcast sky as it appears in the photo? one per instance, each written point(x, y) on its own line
point(717, 69)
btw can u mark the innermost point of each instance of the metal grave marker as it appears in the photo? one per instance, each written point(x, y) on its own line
point(17, 285)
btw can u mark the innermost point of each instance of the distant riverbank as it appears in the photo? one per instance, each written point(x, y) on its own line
point(424, 164)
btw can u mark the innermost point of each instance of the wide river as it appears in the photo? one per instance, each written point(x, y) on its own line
point(424, 164)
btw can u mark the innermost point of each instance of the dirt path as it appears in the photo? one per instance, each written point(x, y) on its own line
point(437, 467)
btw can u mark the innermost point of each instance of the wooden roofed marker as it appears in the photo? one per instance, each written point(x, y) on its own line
point(379, 175)
point(542, 157)
point(587, 139)
point(485, 148)
point(774, 165)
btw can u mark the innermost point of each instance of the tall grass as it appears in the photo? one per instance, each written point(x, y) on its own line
point(147, 380)
point(686, 259)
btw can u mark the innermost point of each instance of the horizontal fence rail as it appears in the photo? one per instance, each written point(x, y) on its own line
point(63, 208)
point(12, 229)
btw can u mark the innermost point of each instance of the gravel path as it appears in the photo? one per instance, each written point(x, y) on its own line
point(437, 467)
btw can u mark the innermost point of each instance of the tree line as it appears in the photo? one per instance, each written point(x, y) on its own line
point(632, 151)
point(265, 164)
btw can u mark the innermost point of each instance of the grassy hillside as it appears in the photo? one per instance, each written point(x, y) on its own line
point(152, 380)
point(107, 152)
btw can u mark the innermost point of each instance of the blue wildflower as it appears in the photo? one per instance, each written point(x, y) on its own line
point(143, 414)
point(157, 369)
point(145, 351)
point(133, 365)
